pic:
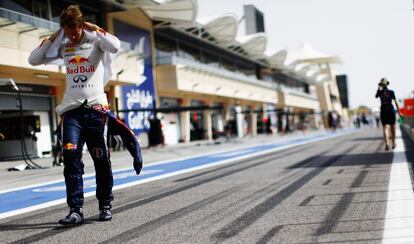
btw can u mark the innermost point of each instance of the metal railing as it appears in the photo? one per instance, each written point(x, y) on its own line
point(173, 59)
point(292, 91)
point(37, 22)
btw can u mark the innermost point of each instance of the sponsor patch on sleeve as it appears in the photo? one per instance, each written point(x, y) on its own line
point(70, 50)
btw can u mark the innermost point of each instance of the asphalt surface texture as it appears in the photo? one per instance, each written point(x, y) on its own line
point(331, 191)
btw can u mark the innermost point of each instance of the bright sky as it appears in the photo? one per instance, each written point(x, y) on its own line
point(374, 38)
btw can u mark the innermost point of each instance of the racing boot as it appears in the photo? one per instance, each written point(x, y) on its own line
point(105, 214)
point(75, 217)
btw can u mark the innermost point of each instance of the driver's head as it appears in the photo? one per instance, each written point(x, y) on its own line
point(72, 21)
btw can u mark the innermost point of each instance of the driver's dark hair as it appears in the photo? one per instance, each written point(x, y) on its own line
point(72, 17)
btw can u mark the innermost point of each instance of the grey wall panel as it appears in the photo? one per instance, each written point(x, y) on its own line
point(9, 102)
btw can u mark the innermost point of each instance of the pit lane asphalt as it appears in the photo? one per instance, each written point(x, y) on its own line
point(332, 191)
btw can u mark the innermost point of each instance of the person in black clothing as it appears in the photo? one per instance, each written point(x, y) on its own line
point(156, 136)
point(57, 148)
point(377, 119)
point(387, 114)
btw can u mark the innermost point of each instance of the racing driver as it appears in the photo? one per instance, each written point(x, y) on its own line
point(87, 51)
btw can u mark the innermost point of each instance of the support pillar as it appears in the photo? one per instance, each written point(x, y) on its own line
point(227, 112)
point(239, 121)
point(208, 124)
point(185, 121)
point(254, 121)
point(314, 123)
point(264, 109)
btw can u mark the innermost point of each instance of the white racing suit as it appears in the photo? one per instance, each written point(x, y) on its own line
point(84, 111)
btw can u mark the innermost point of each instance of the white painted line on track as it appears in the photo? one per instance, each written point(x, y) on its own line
point(399, 223)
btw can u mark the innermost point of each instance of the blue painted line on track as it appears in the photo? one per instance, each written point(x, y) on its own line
point(24, 198)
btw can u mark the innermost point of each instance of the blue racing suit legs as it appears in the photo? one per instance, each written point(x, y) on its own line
point(84, 125)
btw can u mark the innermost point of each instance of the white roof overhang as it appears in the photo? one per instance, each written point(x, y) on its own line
point(277, 59)
point(322, 78)
point(254, 44)
point(223, 29)
point(304, 62)
point(307, 72)
point(307, 54)
point(137, 3)
point(303, 70)
point(168, 11)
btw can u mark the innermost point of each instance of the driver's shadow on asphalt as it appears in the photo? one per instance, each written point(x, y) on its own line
point(46, 225)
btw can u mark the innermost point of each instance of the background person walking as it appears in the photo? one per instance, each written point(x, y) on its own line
point(387, 113)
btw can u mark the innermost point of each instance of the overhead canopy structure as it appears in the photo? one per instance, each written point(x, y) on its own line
point(223, 28)
point(303, 54)
point(322, 78)
point(169, 11)
point(307, 54)
point(275, 59)
point(304, 62)
point(303, 71)
point(308, 72)
point(138, 3)
point(254, 45)
point(278, 58)
point(222, 31)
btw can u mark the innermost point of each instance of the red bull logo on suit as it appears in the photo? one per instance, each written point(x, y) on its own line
point(78, 60)
point(81, 69)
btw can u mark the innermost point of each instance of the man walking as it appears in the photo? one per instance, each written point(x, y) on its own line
point(85, 49)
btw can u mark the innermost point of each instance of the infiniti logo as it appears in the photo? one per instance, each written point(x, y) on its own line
point(81, 78)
